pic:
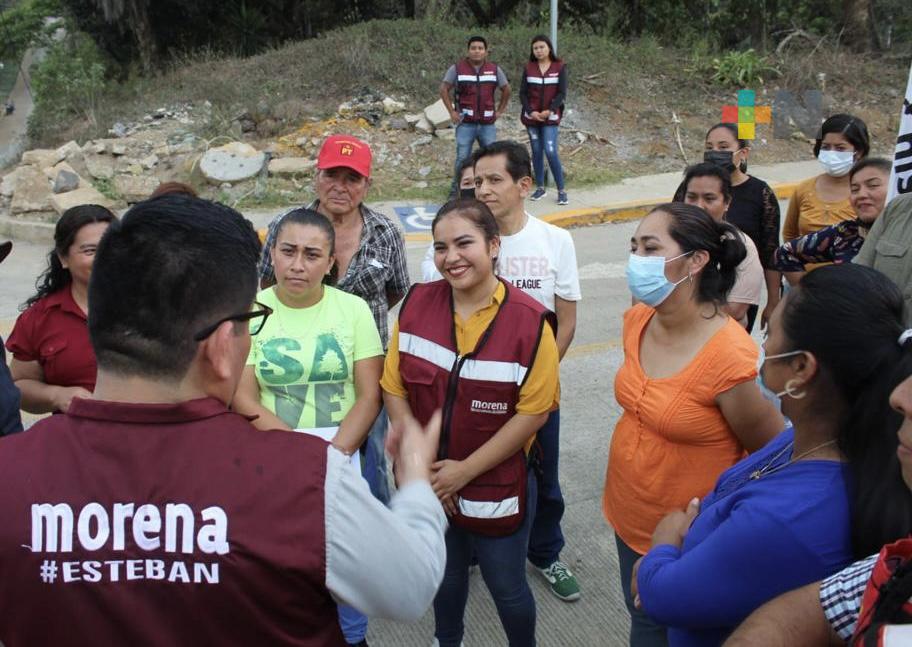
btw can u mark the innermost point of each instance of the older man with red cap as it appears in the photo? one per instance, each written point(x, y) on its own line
point(370, 260)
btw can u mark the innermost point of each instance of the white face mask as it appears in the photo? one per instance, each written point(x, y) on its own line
point(836, 163)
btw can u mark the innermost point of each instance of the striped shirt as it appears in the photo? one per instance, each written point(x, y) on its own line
point(840, 595)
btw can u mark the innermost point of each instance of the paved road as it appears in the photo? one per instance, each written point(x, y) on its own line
point(588, 414)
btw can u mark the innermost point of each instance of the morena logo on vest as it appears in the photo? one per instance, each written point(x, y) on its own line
point(497, 408)
point(55, 526)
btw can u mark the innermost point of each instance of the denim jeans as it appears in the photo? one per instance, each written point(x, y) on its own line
point(543, 140)
point(373, 462)
point(502, 561)
point(643, 631)
point(353, 623)
point(546, 539)
point(466, 134)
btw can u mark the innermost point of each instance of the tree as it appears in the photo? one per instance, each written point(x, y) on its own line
point(859, 32)
point(132, 16)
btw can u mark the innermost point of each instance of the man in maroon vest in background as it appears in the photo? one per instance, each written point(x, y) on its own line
point(476, 79)
point(151, 514)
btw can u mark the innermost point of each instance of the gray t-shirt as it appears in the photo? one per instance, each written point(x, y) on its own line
point(450, 77)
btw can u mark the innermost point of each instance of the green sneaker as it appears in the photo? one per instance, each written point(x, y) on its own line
point(562, 582)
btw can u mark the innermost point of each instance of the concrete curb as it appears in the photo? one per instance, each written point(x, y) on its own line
point(616, 212)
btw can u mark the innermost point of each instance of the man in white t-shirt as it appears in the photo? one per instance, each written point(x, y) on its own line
point(540, 259)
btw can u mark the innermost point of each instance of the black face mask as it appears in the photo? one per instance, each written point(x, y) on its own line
point(722, 159)
point(466, 193)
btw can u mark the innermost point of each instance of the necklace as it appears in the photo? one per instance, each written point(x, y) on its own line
point(771, 468)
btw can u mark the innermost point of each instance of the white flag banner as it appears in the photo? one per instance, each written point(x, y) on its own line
point(901, 175)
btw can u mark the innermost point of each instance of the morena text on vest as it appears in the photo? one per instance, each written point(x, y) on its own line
point(53, 528)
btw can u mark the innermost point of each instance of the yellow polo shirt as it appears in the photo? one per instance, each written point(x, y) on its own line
point(541, 391)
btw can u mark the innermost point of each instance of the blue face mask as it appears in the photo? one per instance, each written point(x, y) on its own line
point(768, 393)
point(646, 278)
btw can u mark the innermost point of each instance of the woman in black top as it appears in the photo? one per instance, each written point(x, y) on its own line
point(754, 208)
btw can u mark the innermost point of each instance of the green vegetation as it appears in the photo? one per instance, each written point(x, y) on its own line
point(742, 69)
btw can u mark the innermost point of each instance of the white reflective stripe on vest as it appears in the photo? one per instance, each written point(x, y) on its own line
point(427, 350)
point(472, 369)
point(491, 371)
point(487, 78)
point(553, 116)
point(536, 80)
point(466, 78)
point(468, 111)
point(552, 80)
point(488, 113)
point(489, 509)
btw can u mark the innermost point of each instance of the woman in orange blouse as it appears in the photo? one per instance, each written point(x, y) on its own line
point(687, 386)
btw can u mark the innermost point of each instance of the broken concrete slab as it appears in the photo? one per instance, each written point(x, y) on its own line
point(438, 114)
point(33, 192)
point(135, 188)
point(65, 181)
point(231, 163)
point(85, 195)
point(100, 167)
point(41, 157)
point(291, 165)
point(391, 106)
point(447, 134)
point(8, 184)
point(68, 150)
point(149, 161)
point(424, 125)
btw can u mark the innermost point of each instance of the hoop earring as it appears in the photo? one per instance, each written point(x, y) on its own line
point(791, 390)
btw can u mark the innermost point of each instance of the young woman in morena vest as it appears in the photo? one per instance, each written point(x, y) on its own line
point(542, 93)
point(484, 353)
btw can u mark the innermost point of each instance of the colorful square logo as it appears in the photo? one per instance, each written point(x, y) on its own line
point(747, 114)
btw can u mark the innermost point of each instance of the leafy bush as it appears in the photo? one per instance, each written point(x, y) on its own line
point(742, 69)
point(68, 82)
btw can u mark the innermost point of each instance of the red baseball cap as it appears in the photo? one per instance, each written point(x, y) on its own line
point(347, 151)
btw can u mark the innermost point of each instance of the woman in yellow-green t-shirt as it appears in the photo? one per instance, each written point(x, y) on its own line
point(316, 364)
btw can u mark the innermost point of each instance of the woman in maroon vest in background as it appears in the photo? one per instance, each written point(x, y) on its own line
point(483, 352)
point(542, 93)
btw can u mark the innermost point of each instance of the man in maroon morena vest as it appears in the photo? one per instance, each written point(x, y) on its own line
point(476, 79)
point(151, 514)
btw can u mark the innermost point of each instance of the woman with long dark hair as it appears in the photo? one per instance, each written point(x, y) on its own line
point(53, 361)
point(542, 92)
point(691, 405)
point(824, 491)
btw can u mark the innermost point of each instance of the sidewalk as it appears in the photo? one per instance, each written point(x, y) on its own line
point(630, 199)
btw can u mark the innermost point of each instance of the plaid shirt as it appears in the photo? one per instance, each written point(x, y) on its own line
point(376, 270)
point(840, 596)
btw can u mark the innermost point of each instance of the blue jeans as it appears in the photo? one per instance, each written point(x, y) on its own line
point(373, 462)
point(353, 623)
point(466, 134)
point(543, 140)
point(503, 566)
point(644, 632)
point(546, 539)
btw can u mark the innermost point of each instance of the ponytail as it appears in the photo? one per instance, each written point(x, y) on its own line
point(694, 230)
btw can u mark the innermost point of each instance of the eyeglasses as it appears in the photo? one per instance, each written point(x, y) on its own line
point(256, 317)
